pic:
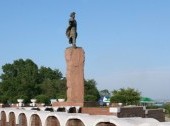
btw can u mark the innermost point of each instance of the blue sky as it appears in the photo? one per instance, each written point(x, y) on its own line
point(126, 42)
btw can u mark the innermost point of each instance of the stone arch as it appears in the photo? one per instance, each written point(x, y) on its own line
point(3, 119)
point(35, 120)
point(22, 119)
point(49, 109)
point(52, 121)
point(74, 122)
point(12, 121)
point(72, 110)
point(61, 109)
point(105, 124)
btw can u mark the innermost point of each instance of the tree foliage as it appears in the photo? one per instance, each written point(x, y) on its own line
point(104, 92)
point(23, 79)
point(167, 108)
point(49, 74)
point(91, 91)
point(128, 96)
point(17, 77)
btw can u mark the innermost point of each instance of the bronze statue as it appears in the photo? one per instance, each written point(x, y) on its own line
point(71, 31)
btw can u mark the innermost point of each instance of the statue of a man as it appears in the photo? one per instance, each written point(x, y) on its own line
point(71, 31)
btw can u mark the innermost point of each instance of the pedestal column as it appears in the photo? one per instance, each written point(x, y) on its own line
point(75, 59)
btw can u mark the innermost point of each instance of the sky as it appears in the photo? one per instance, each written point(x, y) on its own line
point(126, 42)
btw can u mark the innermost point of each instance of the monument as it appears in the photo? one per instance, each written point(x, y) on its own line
point(75, 58)
point(75, 65)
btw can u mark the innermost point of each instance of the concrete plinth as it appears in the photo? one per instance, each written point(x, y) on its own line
point(64, 104)
point(75, 74)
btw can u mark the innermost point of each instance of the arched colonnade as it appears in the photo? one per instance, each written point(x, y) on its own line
point(21, 117)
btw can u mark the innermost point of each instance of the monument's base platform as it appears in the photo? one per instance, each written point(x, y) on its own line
point(58, 104)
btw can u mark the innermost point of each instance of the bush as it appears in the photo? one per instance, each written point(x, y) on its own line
point(167, 109)
point(90, 98)
point(128, 96)
point(61, 96)
point(42, 99)
point(3, 99)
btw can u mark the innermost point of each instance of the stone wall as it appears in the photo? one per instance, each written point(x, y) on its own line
point(96, 111)
point(131, 112)
point(91, 104)
point(158, 114)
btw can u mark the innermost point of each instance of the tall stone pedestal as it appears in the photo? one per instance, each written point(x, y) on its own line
point(75, 74)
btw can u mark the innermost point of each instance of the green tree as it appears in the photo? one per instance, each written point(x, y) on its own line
point(47, 73)
point(104, 92)
point(128, 96)
point(19, 79)
point(42, 98)
point(52, 82)
point(61, 89)
point(91, 91)
point(23, 79)
point(167, 108)
point(53, 88)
